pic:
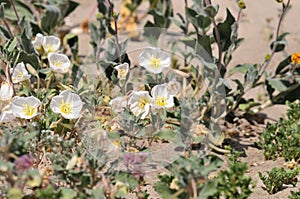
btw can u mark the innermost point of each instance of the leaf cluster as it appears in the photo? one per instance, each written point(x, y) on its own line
point(192, 175)
point(277, 177)
point(283, 138)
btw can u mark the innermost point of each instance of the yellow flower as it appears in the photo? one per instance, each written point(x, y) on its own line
point(295, 58)
point(242, 4)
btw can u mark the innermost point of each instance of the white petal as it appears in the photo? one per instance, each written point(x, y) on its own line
point(6, 91)
point(55, 103)
point(50, 43)
point(59, 62)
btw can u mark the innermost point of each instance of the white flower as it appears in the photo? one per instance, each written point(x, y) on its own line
point(6, 92)
point(25, 107)
point(122, 70)
point(20, 73)
point(37, 43)
point(50, 44)
point(154, 60)
point(139, 103)
point(67, 104)
point(161, 96)
point(118, 104)
point(59, 62)
point(7, 114)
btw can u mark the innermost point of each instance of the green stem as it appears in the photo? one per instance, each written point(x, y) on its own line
point(49, 81)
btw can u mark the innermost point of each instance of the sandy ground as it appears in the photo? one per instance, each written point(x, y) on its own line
point(258, 22)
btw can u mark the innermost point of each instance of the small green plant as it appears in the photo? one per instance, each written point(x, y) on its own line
point(192, 177)
point(283, 138)
point(295, 194)
point(232, 183)
point(277, 177)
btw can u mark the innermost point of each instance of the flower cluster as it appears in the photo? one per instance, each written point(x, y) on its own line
point(141, 102)
point(49, 46)
point(15, 105)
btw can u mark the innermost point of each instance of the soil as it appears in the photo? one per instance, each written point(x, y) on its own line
point(258, 23)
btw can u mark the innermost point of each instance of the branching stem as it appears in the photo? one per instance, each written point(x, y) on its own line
point(266, 64)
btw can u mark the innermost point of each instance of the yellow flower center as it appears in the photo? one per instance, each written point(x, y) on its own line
point(65, 108)
point(28, 110)
point(155, 63)
point(49, 48)
point(20, 75)
point(122, 73)
point(143, 102)
point(160, 101)
point(295, 58)
point(58, 64)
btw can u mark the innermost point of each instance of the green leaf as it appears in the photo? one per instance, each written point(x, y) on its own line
point(35, 178)
point(211, 10)
point(225, 31)
point(152, 33)
point(241, 68)
point(2, 10)
point(204, 41)
point(280, 43)
point(5, 166)
point(4, 33)
point(279, 85)
point(167, 135)
point(163, 189)
point(15, 193)
point(46, 193)
point(191, 15)
point(31, 59)
point(12, 45)
point(67, 193)
point(203, 21)
point(22, 9)
point(209, 189)
point(67, 125)
point(72, 41)
point(25, 39)
point(71, 7)
point(248, 106)
point(50, 18)
point(283, 64)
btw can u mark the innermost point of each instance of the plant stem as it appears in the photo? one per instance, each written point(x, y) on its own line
point(116, 29)
point(266, 64)
point(15, 10)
